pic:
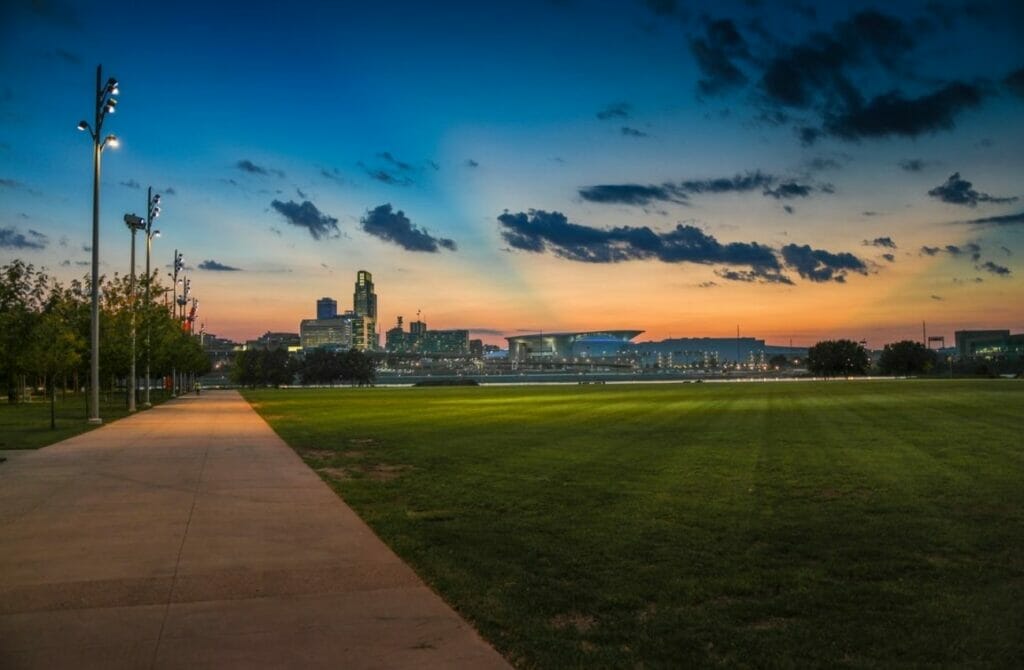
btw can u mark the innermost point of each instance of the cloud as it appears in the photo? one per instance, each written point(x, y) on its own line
point(631, 194)
point(299, 192)
point(894, 114)
point(707, 284)
point(936, 297)
point(632, 132)
point(789, 189)
point(889, 257)
point(1005, 220)
point(821, 163)
point(333, 174)
point(539, 231)
point(12, 238)
point(764, 277)
point(67, 56)
point(616, 110)
point(930, 251)
point(214, 266)
point(680, 192)
point(246, 165)
point(958, 191)
point(819, 265)
point(386, 177)
point(486, 331)
point(396, 227)
point(387, 157)
point(912, 164)
point(884, 242)
point(789, 209)
point(307, 216)
point(170, 190)
point(715, 54)
point(131, 183)
point(472, 163)
point(1014, 82)
point(995, 268)
point(662, 7)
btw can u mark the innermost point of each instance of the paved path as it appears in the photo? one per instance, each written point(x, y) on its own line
point(191, 536)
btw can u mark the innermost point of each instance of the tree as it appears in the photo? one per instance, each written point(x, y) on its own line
point(906, 357)
point(22, 294)
point(320, 366)
point(260, 367)
point(833, 358)
point(358, 368)
point(778, 361)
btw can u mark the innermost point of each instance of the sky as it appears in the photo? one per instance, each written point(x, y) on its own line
point(801, 170)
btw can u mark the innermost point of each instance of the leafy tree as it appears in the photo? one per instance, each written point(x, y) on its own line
point(833, 358)
point(260, 367)
point(778, 361)
point(22, 294)
point(906, 357)
point(320, 366)
point(358, 367)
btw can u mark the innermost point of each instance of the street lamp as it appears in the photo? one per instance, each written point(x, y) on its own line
point(153, 210)
point(105, 104)
point(135, 224)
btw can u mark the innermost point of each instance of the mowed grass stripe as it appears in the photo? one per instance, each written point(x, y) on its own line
point(839, 524)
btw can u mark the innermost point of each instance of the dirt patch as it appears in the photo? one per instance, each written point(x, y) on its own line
point(383, 472)
point(353, 454)
point(363, 441)
point(771, 623)
point(337, 474)
point(431, 515)
point(581, 623)
point(320, 454)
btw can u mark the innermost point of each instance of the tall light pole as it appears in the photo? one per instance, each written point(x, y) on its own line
point(135, 224)
point(153, 210)
point(105, 104)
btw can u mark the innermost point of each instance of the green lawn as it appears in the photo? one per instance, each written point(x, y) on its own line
point(781, 524)
point(26, 425)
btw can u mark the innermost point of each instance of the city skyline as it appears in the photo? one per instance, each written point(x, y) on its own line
point(802, 171)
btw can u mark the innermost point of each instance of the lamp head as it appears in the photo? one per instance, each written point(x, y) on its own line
point(83, 125)
point(112, 141)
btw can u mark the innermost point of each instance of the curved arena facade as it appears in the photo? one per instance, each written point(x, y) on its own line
point(564, 346)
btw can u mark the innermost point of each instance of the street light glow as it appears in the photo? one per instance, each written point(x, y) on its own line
point(112, 141)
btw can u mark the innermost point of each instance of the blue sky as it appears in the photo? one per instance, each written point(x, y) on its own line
point(791, 136)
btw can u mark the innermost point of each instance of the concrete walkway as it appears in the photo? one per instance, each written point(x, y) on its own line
point(191, 536)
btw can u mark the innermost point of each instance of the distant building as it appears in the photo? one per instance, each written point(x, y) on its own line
point(709, 351)
point(421, 340)
point(345, 331)
point(989, 344)
point(364, 300)
point(326, 308)
point(476, 348)
point(567, 346)
point(272, 341)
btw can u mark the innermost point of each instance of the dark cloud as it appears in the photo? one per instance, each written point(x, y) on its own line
point(894, 114)
point(788, 208)
point(631, 194)
point(472, 163)
point(937, 297)
point(869, 212)
point(299, 192)
point(716, 53)
point(640, 194)
point(789, 189)
point(67, 56)
point(131, 183)
point(889, 257)
point(808, 135)
point(819, 265)
point(246, 165)
point(396, 227)
point(307, 216)
point(1005, 220)
point(764, 277)
point(1014, 82)
point(930, 251)
point(214, 266)
point(820, 164)
point(884, 242)
point(333, 174)
point(912, 164)
point(170, 190)
point(995, 268)
point(707, 284)
point(616, 110)
point(632, 132)
point(12, 238)
point(662, 7)
point(1006, 250)
point(387, 157)
point(539, 231)
point(958, 191)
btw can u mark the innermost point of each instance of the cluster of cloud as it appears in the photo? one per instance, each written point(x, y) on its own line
point(307, 216)
point(680, 192)
point(391, 170)
point(246, 165)
point(972, 250)
point(816, 83)
point(12, 238)
point(959, 191)
point(215, 266)
point(538, 231)
point(394, 226)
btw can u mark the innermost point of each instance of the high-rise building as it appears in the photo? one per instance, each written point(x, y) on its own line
point(364, 300)
point(326, 308)
point(345, 331)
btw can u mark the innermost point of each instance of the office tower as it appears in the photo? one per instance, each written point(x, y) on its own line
point(326, 308)
point(364, 300)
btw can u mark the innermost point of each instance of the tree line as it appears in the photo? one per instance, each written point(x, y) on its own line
point(845, 358)
point(276, 367)
point(45, 331)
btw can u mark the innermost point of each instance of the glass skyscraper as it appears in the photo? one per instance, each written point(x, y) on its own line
point(326, 308)
point(364, 300)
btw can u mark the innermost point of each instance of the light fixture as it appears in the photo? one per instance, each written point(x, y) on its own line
point(156, 198)
point(83, 125)
point(112, 141)
point(156, 233)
